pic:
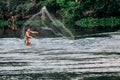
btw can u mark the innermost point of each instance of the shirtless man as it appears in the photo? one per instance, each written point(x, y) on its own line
point(27, 36)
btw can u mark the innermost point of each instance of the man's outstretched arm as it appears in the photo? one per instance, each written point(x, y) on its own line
point(34, 32)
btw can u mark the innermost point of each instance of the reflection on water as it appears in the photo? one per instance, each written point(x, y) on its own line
point(60, 59)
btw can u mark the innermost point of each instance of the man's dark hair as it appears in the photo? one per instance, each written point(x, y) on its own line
point(27, 28)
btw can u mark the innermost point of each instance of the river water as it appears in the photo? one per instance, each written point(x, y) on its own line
point(94, 58)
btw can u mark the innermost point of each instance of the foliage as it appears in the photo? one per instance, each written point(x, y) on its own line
point(68, 9)
point(73, 13)
point(96, 22)
point(6, 23)
point(3, 23)
point(34, 23)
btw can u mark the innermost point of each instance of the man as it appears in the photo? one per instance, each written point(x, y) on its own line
point(27, 36)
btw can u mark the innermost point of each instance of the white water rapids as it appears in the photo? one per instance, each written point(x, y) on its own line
point(50, 55)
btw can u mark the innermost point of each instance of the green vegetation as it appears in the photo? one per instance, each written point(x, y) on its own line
point(4, 23)
point(77, 15)
point(96, 22)
point(34, 23)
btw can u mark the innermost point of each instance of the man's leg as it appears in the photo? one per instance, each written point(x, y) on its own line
point(27, 42)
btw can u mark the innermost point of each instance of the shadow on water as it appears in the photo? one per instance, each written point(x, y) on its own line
point(62, 76)
point(108, 34)
point(3, 64)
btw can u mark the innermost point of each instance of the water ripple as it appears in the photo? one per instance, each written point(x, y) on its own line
point(88, 57)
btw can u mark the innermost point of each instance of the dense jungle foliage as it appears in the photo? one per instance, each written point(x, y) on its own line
point(80, 16)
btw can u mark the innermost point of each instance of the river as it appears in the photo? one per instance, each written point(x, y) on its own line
point(94, 58)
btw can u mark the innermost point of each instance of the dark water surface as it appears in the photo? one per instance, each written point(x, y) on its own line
point(60, 59)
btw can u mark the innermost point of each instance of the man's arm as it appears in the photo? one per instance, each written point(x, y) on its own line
point(34, 32)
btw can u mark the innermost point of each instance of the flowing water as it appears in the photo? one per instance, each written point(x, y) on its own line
point(95, 58)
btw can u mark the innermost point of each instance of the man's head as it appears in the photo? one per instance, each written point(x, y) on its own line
point(28, 29)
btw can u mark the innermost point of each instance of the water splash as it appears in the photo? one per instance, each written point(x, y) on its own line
point(47, 25)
